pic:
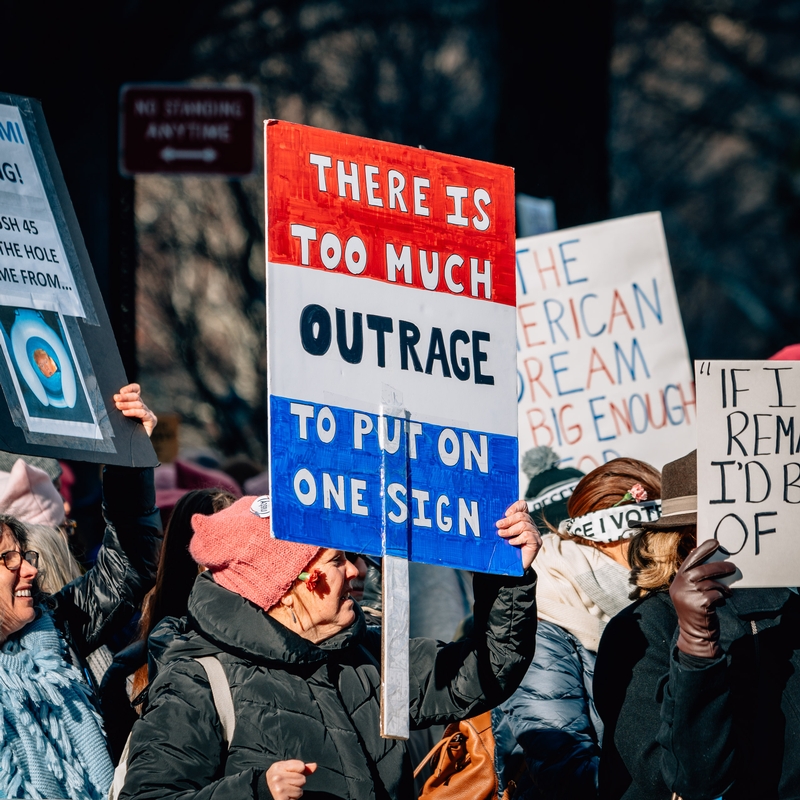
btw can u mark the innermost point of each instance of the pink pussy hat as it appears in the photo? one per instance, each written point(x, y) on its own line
point(789, 353)
point(236, 546)
point(28, 494)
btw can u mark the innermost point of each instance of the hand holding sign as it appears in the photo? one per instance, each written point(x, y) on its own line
point(696, 592)
point(517, 528)
point(129, 402)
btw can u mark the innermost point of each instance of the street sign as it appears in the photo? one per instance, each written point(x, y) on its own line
point(187, 129)
point(392, 354)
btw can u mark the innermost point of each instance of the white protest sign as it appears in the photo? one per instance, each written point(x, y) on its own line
point(748, 466)
point(603, 368)
point(34, 268)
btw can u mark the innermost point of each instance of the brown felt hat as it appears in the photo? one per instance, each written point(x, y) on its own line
point(678, 496)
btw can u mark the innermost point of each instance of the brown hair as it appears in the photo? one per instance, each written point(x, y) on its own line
point(605, 486)
point(655, 557)
point(177, 570)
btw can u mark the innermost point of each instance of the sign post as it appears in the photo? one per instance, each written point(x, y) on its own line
point(391, 360)
point(748, 467)
point(59, 365)
point(187, 129)
point(603, 368)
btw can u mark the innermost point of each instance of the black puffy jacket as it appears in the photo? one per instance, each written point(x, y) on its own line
point(319, 703)
point(551, 721)
point(92, 608)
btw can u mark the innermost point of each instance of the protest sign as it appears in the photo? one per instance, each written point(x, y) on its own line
point(59, 365)
point(391, 353)
point(748, 467)
point(603, 369)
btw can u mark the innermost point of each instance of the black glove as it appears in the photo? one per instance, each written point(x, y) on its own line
point(373, 586)
point(696, 592)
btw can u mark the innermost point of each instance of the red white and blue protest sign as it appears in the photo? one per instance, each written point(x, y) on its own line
point(391, 348)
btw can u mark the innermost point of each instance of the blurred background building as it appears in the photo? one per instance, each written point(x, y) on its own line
point(687, 107)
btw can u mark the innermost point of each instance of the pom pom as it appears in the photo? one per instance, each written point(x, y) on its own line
point(538, 460)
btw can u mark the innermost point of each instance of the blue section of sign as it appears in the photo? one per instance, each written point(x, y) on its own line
point(375, 485)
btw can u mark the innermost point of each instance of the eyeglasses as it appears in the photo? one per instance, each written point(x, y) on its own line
point(13, 559)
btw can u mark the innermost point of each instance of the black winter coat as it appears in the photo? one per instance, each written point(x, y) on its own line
point(93, 608)
point(703, 728)
point(319, 703)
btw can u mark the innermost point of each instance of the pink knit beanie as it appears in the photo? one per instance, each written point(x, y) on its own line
point(28, 494)
point(789, 353)
point(236, 546)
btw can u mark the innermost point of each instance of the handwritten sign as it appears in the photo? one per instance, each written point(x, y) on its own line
point(748, 466)
point(603, 369)
point(391, 353)
point(59, 366)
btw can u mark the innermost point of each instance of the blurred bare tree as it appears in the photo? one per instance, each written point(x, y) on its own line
point(412, 72)
point(705, 126)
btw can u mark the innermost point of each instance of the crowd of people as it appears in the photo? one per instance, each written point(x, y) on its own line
point(213, 661)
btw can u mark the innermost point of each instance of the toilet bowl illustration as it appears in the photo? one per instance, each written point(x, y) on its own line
point(42, 360)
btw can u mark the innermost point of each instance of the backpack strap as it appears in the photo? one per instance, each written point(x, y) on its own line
point(223, 702)
point(221, 692)
point(434, 751)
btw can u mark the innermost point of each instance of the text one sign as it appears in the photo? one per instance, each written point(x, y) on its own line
point(390, 293)
point(187, 129)
point(603, 365)
point(748, 466)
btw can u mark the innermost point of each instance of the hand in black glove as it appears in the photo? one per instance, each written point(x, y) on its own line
point(696, 592)
point(373, 587)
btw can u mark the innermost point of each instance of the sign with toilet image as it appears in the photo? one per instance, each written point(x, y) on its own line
point(59, 365)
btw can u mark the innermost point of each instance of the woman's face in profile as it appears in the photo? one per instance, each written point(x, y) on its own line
point(329, 605)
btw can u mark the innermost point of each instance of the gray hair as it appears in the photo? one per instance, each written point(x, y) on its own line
point(57, 565)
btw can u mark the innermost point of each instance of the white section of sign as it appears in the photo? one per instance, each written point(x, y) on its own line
point(361, 386)
point(748, 466)
point(603, 368)
point(34, 270)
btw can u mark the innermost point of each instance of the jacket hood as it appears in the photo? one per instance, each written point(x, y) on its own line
point(237, 626)
point(165, 634)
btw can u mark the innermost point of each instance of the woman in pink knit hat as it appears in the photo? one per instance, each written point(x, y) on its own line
point(304, 671)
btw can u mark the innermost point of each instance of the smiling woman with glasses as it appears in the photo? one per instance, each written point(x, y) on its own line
point(52, 742)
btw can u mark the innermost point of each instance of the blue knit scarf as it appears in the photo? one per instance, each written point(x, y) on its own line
point(51, 738)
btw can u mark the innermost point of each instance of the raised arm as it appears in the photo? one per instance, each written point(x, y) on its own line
point(697, 731)
point(462, 679)
point(101, 602)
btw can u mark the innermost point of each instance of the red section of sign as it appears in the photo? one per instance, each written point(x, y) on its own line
point(205, 130)
point(391, 213)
